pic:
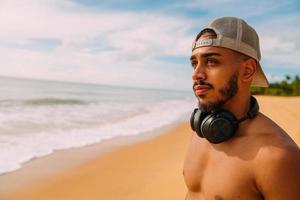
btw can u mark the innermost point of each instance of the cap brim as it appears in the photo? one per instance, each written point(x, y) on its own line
point(260, 78)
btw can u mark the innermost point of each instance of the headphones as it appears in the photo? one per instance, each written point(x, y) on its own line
point(220, 125)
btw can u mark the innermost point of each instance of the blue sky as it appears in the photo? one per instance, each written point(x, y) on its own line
point(135, 42)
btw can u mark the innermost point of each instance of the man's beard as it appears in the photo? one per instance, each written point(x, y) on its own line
point(227, 92)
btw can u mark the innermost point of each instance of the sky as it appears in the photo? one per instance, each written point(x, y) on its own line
point(136, 43)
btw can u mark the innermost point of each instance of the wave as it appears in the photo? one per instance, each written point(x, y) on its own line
point(43, 102)
point(119, 121)
point(54, 101)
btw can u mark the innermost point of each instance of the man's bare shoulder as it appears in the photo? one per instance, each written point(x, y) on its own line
point(274, 143)
point(277, 163)
point(277, 172)
point(270, 135)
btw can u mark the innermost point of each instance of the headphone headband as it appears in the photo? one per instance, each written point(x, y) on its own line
point(254, 108)
point(252, 112)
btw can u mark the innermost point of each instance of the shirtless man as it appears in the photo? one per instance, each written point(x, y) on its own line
point(260, 161)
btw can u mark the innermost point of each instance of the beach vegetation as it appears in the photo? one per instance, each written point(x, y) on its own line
point(290, 86)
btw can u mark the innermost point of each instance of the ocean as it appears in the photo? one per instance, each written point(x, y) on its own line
point(38, 117)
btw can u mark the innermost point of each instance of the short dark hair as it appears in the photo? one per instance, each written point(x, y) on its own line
point(206, 30)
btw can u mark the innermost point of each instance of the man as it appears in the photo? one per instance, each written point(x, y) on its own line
point(258, 160)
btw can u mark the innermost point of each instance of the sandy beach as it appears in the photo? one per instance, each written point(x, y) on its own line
point(145, 169)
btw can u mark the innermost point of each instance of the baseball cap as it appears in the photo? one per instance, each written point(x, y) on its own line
point(235, 34)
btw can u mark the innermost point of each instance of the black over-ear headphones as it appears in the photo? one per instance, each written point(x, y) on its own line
point(220, 125)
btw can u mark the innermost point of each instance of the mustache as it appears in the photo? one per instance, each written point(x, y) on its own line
point(201, 82)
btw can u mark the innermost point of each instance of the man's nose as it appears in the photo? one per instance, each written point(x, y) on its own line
point(199, 73)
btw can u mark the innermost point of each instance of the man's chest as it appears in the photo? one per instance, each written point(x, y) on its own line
point(216, 175)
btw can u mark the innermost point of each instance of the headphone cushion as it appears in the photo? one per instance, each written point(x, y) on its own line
point(192, 119)
point(196, 121)
point(219, 126)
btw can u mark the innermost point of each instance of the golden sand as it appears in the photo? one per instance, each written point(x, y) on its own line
point(285, 111)
point(149, 170)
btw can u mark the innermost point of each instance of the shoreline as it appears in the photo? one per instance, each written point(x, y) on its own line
point(66, 159)
point(117, 175)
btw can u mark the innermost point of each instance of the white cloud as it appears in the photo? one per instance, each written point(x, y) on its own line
point(121, 47)
point(280, 42)
point(96, 45)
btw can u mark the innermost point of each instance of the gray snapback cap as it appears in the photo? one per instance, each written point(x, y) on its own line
point(234, 33)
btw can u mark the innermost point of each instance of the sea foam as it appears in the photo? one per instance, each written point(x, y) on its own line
point(39, 117)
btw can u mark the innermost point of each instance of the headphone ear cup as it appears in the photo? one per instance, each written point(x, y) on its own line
point(196, 120)
point(219, 126)
point(192, 119)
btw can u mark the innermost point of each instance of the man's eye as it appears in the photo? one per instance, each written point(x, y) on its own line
point(212, 61)
point(194, 64)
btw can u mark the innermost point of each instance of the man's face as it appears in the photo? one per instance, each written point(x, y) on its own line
point(215, 76)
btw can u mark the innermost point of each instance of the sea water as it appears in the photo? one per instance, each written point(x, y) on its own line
point(38, 117)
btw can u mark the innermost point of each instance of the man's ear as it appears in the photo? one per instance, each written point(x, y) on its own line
point(249, 69)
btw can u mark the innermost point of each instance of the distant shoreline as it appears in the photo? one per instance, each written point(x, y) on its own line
point(93, 84)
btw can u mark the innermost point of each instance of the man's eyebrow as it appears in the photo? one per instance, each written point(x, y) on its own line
point(192, 58)
point(205, 55)
point(210, 54)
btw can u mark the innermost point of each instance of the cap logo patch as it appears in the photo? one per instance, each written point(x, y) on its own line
point(205, 42)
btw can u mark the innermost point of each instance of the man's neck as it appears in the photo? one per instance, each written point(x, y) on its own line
point(239, 105)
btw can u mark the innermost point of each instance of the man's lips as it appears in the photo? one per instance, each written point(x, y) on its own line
point(201, 89)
